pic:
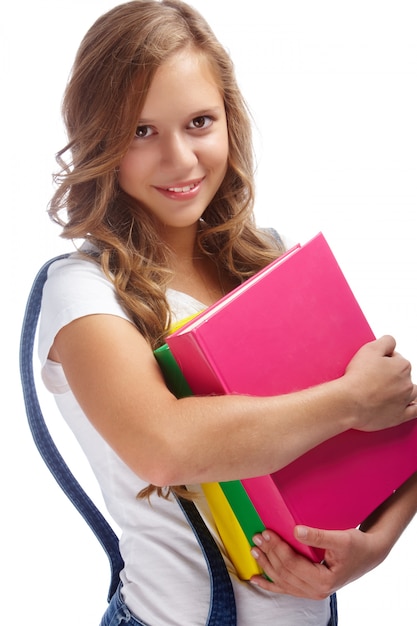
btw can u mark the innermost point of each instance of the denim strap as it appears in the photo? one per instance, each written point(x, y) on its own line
point(222, 601)
point(333, 609)
point(44, 442)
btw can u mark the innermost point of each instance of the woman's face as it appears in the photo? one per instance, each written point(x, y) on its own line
point(179, 155)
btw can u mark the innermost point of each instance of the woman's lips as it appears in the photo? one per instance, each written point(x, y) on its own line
point(181, 191)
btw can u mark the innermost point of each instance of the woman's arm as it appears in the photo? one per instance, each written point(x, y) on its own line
point(349, 554)
point(116, 379)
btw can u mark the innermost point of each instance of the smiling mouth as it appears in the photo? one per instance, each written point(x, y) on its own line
point(182, 189)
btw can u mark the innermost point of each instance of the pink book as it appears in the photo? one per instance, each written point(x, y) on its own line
point(294, 325)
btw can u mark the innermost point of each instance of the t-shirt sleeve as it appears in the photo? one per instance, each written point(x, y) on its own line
point(75, 287)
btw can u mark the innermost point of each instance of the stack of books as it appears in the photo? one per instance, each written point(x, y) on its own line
point(293, 325)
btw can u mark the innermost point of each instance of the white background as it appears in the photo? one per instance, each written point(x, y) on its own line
point(332, 88)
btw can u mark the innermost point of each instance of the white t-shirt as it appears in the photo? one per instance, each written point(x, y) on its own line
point(165, 578)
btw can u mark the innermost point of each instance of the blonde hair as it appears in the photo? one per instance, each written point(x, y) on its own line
point(110, 78)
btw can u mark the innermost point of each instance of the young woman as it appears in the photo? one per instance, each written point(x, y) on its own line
point(159, 185)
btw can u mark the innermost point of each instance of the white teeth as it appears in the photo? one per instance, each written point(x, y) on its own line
point(181, 189)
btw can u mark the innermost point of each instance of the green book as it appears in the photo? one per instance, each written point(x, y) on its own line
point(174, 378)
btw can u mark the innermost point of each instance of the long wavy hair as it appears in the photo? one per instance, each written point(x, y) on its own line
point(108, 85)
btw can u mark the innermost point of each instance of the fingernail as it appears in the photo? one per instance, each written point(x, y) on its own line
point(257, 539)
point(254, 553)
point(266, 535)
point(301, 531)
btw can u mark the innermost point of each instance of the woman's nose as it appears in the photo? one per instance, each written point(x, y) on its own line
point(178, 151)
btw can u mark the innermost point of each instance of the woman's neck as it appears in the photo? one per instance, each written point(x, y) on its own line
point(195, 273)
point(182, 242)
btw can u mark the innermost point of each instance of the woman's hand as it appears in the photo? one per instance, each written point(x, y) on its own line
point(379, 383)
point(348, 555)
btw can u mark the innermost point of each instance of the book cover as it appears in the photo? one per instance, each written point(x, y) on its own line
point(294, 325)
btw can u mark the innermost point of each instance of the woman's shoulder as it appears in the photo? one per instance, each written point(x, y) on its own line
point(84, 259)
point(75, 280)
point(77, 273)
point(78, 281)
point(76, 286)
point(76, 266)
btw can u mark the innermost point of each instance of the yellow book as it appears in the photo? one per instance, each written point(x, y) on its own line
point(230, 531)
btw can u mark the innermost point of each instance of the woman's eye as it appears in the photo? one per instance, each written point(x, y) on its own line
point(143, 131)
point(202, 121)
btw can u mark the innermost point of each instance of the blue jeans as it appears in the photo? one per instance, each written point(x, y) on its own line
point(118, 614)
